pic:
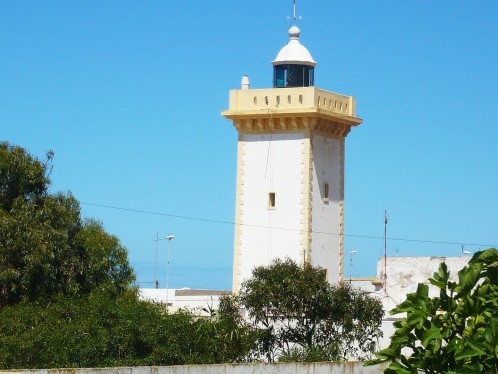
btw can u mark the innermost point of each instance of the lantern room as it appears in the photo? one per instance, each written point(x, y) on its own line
point(294, 66)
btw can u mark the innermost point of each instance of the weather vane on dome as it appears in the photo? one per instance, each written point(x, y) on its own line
point(294, 17)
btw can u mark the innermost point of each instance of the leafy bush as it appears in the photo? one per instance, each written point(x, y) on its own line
point(456, 332)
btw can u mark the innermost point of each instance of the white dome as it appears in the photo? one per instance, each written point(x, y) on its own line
point(294, 52)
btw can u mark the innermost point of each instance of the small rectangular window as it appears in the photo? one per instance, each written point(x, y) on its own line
point(271, 200)
point(326, 192)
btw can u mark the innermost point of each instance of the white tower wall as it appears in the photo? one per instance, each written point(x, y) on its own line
point(327, 213)
point(269, 163)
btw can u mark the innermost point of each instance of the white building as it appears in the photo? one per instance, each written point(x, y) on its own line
point(398, 276)
point(200, 301)
point(290, 168)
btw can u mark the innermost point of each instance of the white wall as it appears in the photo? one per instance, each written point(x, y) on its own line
point(404, 273)
point(294, 368)
point(199, 301)
point(271, 163)
point(327, 216)
point(277, 163)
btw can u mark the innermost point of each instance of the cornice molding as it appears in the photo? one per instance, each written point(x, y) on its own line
point(289, 124)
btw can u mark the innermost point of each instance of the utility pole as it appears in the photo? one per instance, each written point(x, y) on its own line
point(385, 251)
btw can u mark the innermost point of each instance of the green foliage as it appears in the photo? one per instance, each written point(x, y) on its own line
point(456, 332)
point(225, 335)
point(105, 259)
point(101, 331)
point(21, 175)
point(65, 289)
point(303, 318)
point(46, 248)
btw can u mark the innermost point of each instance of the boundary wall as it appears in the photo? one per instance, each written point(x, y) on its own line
point(276, 368)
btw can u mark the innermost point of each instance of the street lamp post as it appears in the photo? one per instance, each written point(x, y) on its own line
point(351, 263)
point(169, 237)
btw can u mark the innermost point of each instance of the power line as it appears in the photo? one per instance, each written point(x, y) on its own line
point(199, 219)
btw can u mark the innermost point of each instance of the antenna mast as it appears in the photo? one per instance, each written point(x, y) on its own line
point(385, 251)
point(294, 17)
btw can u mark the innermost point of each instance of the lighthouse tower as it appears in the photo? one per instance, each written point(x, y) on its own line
point(290, 168)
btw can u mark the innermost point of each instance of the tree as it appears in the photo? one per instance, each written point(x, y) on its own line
point(92, 330)
point(304, 318)
point(22, 175)
point(66, 298)
point(225, 336)
point(46, 248)
point(456, 332)
point(95, 330)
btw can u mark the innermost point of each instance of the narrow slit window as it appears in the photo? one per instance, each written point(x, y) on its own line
point(326, 192)
point(271, 200)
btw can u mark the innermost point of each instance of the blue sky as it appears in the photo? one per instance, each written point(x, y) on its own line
point(128, 94)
